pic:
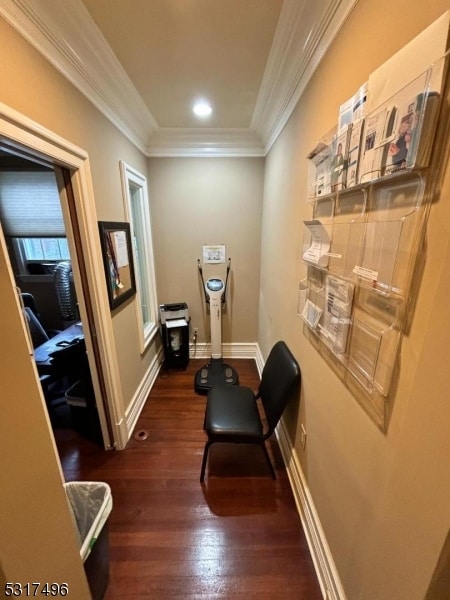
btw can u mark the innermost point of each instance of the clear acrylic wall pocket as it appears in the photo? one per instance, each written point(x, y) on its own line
point(336, 319)
point(347, 232)
point(317, 243)
point(398, 132)
point(372, 353)
point(302, 296)
point(391, 235)
point(374, 340)
point(310, 298)
point(320, 165)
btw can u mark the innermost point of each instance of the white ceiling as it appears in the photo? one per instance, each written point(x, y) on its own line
point(143, 63)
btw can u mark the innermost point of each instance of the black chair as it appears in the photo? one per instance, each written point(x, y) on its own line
point(35, 321)
point(49, 382)
point(232, 414)
point(38, 334)
point(29, 301)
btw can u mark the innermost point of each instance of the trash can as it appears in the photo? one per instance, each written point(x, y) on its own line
point(90, 503)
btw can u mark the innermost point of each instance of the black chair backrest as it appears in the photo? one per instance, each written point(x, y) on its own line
point(280, 381)
point(29, 301)
point(38, 334)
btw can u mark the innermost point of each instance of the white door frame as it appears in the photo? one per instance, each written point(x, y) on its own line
point(20, 132)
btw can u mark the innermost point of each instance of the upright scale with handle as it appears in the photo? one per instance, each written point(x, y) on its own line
point(215, 372)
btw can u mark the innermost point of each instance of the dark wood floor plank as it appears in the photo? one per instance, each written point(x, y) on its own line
point(238, 536)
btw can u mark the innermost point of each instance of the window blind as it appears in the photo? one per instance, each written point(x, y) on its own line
point(30, 204)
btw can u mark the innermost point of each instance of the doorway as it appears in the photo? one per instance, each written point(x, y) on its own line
point(21, 137)
point(35, 218)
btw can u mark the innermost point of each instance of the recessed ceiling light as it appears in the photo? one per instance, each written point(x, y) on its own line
point(202, 109)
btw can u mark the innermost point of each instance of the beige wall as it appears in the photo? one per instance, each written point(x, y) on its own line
point(382, 498)
point(35, 527)
point(196, 202)
point(35, 89)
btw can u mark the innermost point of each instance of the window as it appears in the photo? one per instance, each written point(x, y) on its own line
point(30, 204)
point(47, 249)
point(138, 213)
point(31, 217)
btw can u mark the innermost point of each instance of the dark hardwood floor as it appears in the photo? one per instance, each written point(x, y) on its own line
point(237, 536)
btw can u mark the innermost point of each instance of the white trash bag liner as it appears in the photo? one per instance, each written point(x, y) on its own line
point(90, 503)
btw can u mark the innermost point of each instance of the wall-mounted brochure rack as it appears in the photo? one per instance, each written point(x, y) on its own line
point(394, 136)
point(362, 242)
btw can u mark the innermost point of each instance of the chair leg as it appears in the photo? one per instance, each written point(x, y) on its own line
point(205, 458)
point(269, 462)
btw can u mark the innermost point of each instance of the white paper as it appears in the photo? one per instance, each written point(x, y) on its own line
point(339, 161)
point(354, 153)
point(311, 314)
point(317, 253)
point(120, 248)
point(321, 157)
point(354, 108)
point(336, 318)
point(345, 114)
point(377, 137)
point(365, 273)
point(171, 323)
point(214, 254)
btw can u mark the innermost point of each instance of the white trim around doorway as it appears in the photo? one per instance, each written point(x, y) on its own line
point(20, 132)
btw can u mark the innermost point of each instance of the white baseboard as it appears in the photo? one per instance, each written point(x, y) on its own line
point(137, 403)
point(203, 350)
point(326, 571)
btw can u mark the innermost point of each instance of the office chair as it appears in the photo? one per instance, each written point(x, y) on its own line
point(39, 336)
point(232, 414)
point(29, 301)
point(37, 332)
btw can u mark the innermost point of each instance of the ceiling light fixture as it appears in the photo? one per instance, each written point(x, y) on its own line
point(202, 109)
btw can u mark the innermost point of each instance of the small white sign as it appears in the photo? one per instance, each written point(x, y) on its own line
point(214, 254)
point(317, 252)
point(366, 273)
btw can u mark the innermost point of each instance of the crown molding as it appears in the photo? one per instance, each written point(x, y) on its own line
point(205, 142)
point(66, 35)
point(304, 33)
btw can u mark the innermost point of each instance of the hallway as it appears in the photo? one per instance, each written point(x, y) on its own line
point(238, 536)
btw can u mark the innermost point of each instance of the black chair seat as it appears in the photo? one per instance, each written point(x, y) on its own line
point(232, 416)
point(232, 413)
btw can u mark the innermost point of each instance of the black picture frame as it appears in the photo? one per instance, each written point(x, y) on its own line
point(115, 241)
